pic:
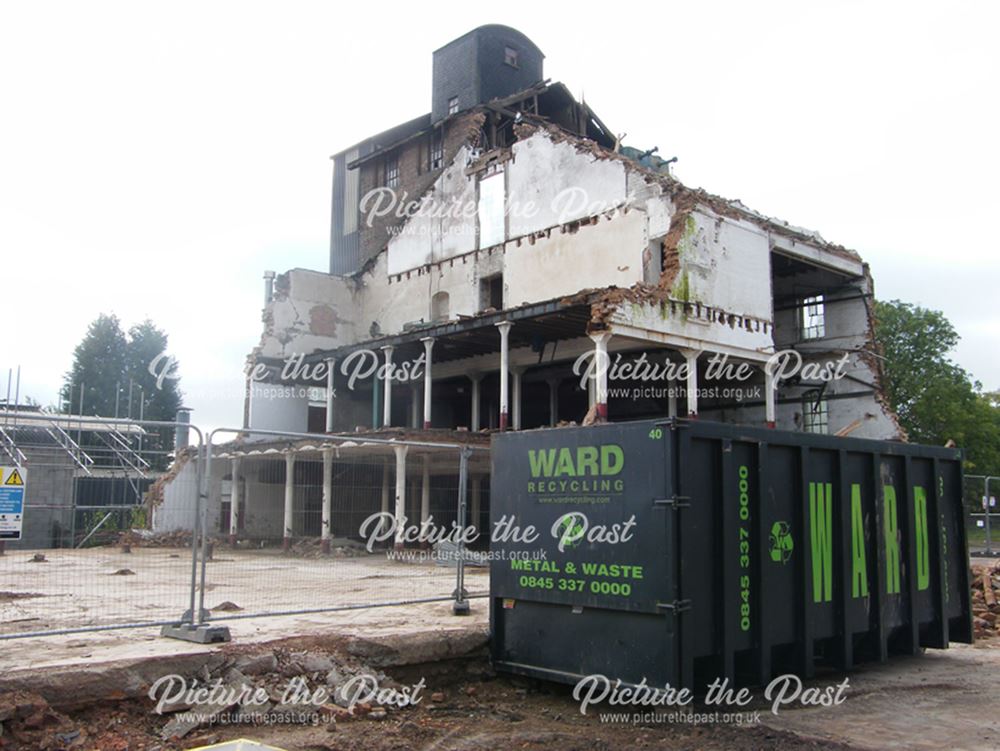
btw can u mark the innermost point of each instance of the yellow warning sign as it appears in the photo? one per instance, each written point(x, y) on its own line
point(14, 478)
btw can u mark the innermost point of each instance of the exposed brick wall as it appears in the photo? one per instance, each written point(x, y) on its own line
point(414, 177)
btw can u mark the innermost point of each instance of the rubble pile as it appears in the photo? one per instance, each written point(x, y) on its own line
point(144, 538)
point(291, 687)
point(985, 600)
point(312, 547)
point(278, 687)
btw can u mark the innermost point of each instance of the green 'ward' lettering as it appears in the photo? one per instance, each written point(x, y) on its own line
point(923, 540)
point(859, 566)
point(891, 540)
point(821, 537)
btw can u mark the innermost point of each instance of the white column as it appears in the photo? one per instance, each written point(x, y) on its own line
point(425, 489)
point(769, 398)
point(553, 401)
point(330, 363)
point(428, 346)
point(515, 397)
point(601, 364)
point(691, 361)
point(327, 532)
point(504, 327)
point(400, 512)
point(414, 406)
point(234, 503)
point(387, 388)
point(474, 416)
point(671, 399)
point(385, 488)
point(289, 499)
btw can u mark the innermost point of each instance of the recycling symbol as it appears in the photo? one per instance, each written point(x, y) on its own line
point(571, 530)
point(781, 542)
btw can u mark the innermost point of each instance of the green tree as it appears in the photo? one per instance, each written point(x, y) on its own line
point(935, 399)
point(125, 376)
point(145, 360)
point(98, 367)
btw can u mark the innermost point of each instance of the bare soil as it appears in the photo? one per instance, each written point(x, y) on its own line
point(475, 711)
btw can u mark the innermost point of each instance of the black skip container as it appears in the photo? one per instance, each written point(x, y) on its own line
point(741, 553)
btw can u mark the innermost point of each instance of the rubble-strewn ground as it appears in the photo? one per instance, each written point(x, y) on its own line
point(941, 700)
point(89, 691)
point(986, 599)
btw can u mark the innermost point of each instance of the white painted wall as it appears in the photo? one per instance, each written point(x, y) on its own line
point(561, 184)
point(277, 407)
point(180, 497)
point(726, 263)
point(316, 313)
point(567, 261)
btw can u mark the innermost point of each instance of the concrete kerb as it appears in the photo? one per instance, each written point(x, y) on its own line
point(76, 686)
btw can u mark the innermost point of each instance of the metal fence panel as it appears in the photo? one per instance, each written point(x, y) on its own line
point(85, 560)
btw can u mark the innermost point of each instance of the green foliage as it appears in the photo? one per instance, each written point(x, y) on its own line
point(935, 399)
point(98, 366)
point(107, 533)
point(138, 518)
point(111, 366)
point(121, 520)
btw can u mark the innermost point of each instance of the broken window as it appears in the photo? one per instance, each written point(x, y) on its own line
point(392, 171)
point(316, 420)
point(491, 292)
point(453, 105)
point(492, 227)
point(813, 319)
point(815, 416)
point(510, 56)
point(437, 150)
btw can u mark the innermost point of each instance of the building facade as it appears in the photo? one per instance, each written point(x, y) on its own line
point(504, 262)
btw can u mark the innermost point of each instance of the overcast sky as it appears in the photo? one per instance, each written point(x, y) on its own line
point(156, 158)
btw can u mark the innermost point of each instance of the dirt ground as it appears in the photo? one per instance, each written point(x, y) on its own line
point(940, 700)
point(97, 683)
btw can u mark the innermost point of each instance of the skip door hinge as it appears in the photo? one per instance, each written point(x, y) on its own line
point(677, 606)
point(676, 502)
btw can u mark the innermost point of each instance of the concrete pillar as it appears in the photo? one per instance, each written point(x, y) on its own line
point(286, 541)
point(515, 397)
point(769, 398)
point(671, 399)
point(385, 488)
point(425, 491)
point(691, 361)
point(504, 327)
point(330, 363)
point(376, 401)
point(601, 365)
point(553, 401)
point(428, 380)
point(400, 511)
point(474, 411)
point(387, 386)
point(414, 406)
point(327, 532)
point(234, 503)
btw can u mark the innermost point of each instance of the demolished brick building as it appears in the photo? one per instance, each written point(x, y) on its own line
point(509, 224)
point(504, 262)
